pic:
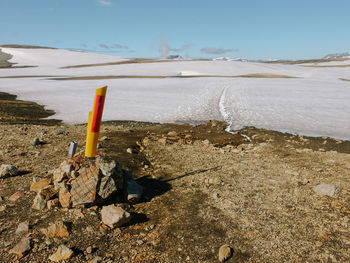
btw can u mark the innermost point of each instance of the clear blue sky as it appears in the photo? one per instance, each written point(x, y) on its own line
point(253, 29)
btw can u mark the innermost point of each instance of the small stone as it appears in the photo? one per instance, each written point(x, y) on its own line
point(95, 260)
point(104, 138)
point(114, 216)
point(66, 168)
point(172, 133)
point(225, 252)
point(52, 203)
point(48, 192)
point(129, 150)
point(36, 142)
point(89, 250)
point(107, 187)
point(7, 170)
point(22, 248)
point(62, 253)
point(326, 189)
point(39, 202)
point(58, 176)
point(39, 185)
point(23, 227)
point(58, 229)
point(163, 141)
point(134, 191)
point(64, 198)
point(206, 142)
point(14, 197)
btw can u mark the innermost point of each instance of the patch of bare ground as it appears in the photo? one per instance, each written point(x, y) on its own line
point(18, 111)
point(130, 61)
point(203, 188)
point(292, 62)
point(326, 66)
point(26, 76)
point(254, 75)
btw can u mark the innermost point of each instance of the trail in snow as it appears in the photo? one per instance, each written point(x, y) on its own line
point(225, 114)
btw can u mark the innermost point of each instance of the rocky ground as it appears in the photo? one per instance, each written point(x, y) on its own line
point(272, 197)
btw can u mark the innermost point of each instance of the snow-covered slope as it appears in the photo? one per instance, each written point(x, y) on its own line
point(314, 102)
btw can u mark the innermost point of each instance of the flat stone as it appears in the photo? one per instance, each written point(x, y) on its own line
point(95, 260)
point(114, 216)
point(326, 189)
point(108, 167)
point(134, 191)
point(225, 252)
point(83, 189)
point(14, 197)
point(62, 253)
point(22, 228)
point(40, 184)
point(7, 170)
point(58, 229)
point(22, 248)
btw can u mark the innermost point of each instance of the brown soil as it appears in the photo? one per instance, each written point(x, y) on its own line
point(203, 188)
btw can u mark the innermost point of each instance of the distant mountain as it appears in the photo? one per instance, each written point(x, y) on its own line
point(338, 55)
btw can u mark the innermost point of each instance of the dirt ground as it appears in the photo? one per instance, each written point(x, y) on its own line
point(203, 188)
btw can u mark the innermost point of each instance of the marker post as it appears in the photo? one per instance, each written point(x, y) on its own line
point(94, 123)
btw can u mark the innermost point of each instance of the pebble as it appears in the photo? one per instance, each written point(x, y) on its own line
point(225, 252)
point(172, 133)
point(129, 150)
point(95, 260)
point(58, 229)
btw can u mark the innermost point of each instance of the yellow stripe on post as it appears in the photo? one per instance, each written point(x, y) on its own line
point(94, 123)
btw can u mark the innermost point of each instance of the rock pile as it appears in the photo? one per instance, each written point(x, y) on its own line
point(78, 182)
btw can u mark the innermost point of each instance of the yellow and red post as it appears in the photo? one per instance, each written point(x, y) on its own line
point(94, 123)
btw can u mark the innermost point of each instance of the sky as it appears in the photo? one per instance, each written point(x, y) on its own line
point(252, 29)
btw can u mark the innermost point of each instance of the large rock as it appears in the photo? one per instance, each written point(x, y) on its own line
point(22, 248)
point(114, 216)
point(326, 189)
point(62, 253)
point(65, 197)
point(7, 170)
point(83, 189)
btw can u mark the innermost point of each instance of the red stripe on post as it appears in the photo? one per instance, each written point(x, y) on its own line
point(96, 119)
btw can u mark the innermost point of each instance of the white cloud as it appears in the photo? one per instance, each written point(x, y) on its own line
point(105, 2)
